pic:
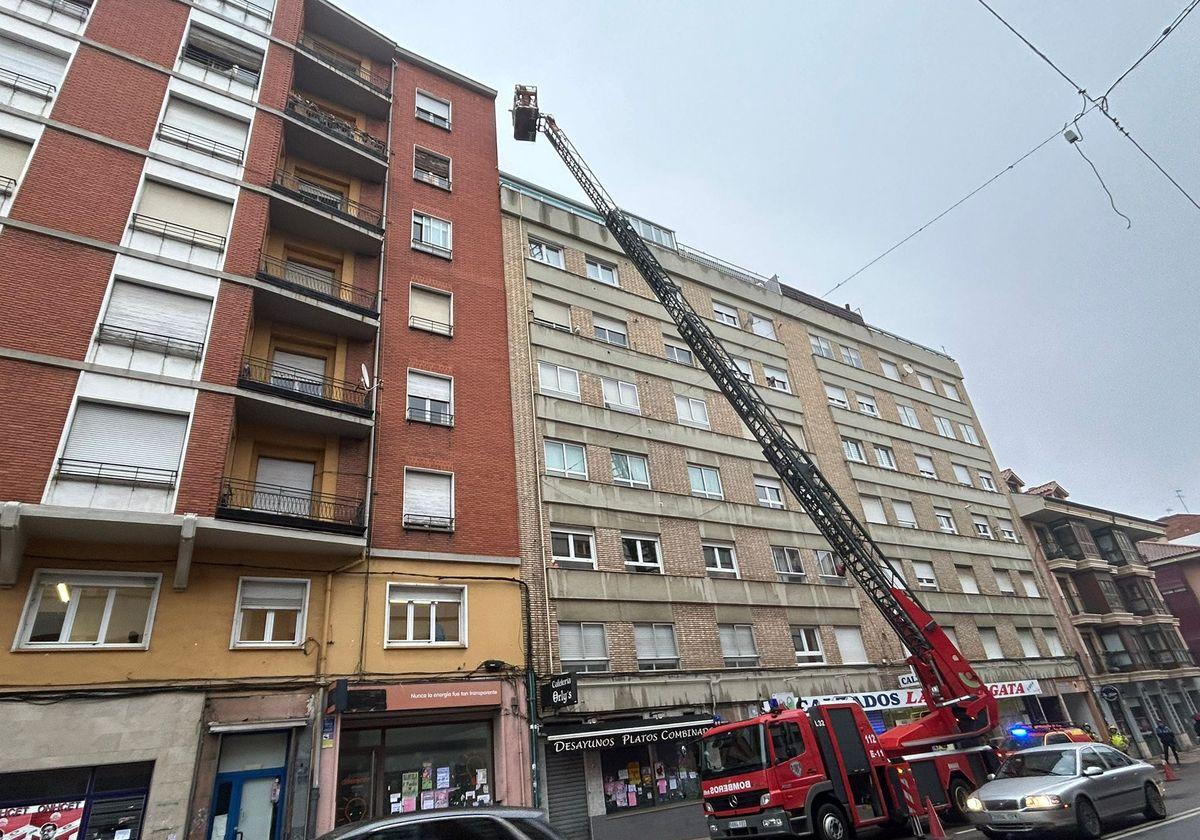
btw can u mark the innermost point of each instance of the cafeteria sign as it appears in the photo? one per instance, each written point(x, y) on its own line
point(905, 698)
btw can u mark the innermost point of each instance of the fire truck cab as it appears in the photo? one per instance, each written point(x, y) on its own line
point(822, 772)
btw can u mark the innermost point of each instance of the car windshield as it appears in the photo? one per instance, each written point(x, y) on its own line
point(735, 751)
point(1040, 763)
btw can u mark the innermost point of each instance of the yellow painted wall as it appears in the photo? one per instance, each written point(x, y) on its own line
point(252, 441)
point(279, 244)
point(269, 336)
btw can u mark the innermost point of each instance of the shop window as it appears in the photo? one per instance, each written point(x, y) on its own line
point(649, 776)
point(114, 796)
point(426, 615)
point(270, 612)
point(77, 610)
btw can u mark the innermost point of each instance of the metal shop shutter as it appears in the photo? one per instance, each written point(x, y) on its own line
point(567, 795)
point(189, 209)
point(28, 60)
point(427, 494)
point(145, 309)
point(13, 154)
point(133, 437)
point(205, 122)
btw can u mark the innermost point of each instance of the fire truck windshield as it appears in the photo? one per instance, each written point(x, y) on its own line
point(734, 751)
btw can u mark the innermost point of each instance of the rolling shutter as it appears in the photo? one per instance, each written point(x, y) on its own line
point(431, 306)
point(430, 387)
point(432, 163)
point(205, 123)
point(567, 794)
point(273, 594)
point(189, 209)
point(132, 437)
point(552, 312)
point(224, 48)
point(427, 494)
point(276, 472)
point(29, 61)
point(13, 154)
point(145, 309)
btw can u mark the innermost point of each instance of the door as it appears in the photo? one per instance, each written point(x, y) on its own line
point(318, 279)
point(1127, 780)
point(248, 796)
point(284, 487)
point(1105, 789)
point(296, 372)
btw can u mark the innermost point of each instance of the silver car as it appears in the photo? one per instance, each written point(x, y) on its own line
point(458, 824)
point(1073, 787)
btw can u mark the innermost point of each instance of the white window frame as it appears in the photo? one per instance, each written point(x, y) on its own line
point(926, 383)
point(431, 326)
point(904, 521)
point(868, 503)
point(598, 274)
point(427, 177)
point(867, 404)
point(1029, 584)
point(641, 565)
point(968, 581)
point(945, 520)
point(604, 328)
point(987, 634)
point(808, 655)
point(756, 323)
point(891, 370)
point(836, 395)
point(951, 391)
point(704, 471)
point(558, 370)
point(908, 416)
point(766, 500)
point(423, 244)
point(571, 534)
point(623, 389)
point(925, 575)
point(620, 482)
point(853, 450)
point(564, 472)
point(984, 528)
point(432, 119)
point(405, 513)
point(852, 357)
point(744, 368)
point(1028, 643)
point(944, 427)
point(885, 456)
point(961, 471)
point(235, 641)
point(113, 580)
point(932, 471)
point(656, 663)
point(692, 403)
point(821, 346)
point(432, 588)
point(742, 660)
point(1004, 582)
point(987, 482)
point(786, 554)
point(1053, 641)
point(861, 641)
point(604, 663)
point(716, 549)
point(544, 250)
point(969, 434)
point(669, 346)
point(429, 415)
point(827, 565)
point(777, 379)
point(725, 314)
point(1007, 529)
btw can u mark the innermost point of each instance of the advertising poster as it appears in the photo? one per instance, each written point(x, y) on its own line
point(409, 783)
point(53, 821)
point(441, 798)
point(426, 800)
point(443, 778)
point(426, 776)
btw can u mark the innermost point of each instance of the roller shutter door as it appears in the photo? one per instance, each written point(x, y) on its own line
point(567, 795)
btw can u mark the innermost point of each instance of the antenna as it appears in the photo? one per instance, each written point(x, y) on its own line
point(364, 377)
point(1179, 496)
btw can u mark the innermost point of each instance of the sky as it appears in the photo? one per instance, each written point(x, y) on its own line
point(804, 139)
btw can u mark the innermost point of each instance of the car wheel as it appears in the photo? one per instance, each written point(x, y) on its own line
point(1087, 820)
point(1156, 809)
point(957, 796)
point(829, 823)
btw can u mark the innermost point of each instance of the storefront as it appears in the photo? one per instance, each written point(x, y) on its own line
point(625, 778)
point(77, 803)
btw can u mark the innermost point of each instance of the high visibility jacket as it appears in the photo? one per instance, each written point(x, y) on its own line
point(1119, 741)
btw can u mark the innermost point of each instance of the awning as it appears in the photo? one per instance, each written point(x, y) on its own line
point(624, 733)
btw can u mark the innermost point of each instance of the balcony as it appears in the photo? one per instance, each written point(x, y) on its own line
point(317, 196)
point(432, 416)
point(7, 187)
point(318, 213)
point(341, 77)
point(1123, 661)
point(317, 117)
point(126, 487)
point(197, 143)
point(268, 504)
point(425, 522)
point(320, 285)
point(165, 345)
point(295, 384)
point(180, 233)
point(1171, 659)
point(210, 65)
point(26, 84)
point(77, 10)
point(104, 473)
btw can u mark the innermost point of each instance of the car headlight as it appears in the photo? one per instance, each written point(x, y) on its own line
point(974, 803)
point(765, 799)
point(1043, 801)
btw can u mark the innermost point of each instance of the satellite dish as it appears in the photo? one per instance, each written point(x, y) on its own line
point(907, 367)
point(364, 377)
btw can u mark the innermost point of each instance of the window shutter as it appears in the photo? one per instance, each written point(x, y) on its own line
point(128, 436)
point(189, 209)
point(431, 306)
point(273, 594)
point(30, 61)
point(433, 106)
point(643, 640)
point(551, 312)
point(745, 640)
point(13, 154)
point(664, 641)
point(593, 642)
point(850, 643)
point(570, 641)
point(223, 47)
point(145, 309)
point(314, 366)
point(430, 387)
point(206, 123)
point(427, 494)
point(295, 475)
point(433, 163)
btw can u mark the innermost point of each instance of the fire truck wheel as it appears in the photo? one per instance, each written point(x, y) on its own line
point(830, 823)
point(1087, 819)
point(957, 795)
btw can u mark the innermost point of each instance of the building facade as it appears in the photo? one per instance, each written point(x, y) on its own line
point(257, 513)
point(1176, 566)
point(668, 567)
point(1128, 639)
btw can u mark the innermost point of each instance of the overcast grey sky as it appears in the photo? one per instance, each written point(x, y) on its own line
point(805, 138)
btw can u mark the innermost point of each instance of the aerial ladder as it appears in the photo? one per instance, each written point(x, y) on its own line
point(960, 707)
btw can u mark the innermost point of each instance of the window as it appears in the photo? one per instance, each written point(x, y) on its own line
point(821, 346)
point(851, 357)
point(944, 427)
point(630, 470)
point(109, 443)
point(582, 647)
point(1029, 584)
point(152, 320)
point(807, 642)
point(885, 457)
point(737, 645)
point(952, 635)
point(906, 517)
point(1004, 582)
point(837, 396)
point(719, 560)
point(982, 528)
point(81, 610)
point(426, 615)
point(431, 310)
point(601, 272)
point(431, 168)
point(745, 370)
point(431, 109)
point(768, 491)
point(558, 381)
point(986, 481)
point(619, 395)
point(428, 500)
point(679, 354)
point(552, 314)
point(223, 55)
point(568, 460)
point(641, 553)
point(654, 233)
point(926, 383)
point(777, 379)
point(203, 130)
point(968, 433)
point(270, 612)
point(430, 398)
point(1053, 642)
point(13, 155)
point(544, 252)
point(991, 643)
point(853, 450)
point(850, 644)
point(908, 416)
point(945, 520)
point(926, 577)
point(655, 644)
point(788, 563)
point(705, 481)
point(925, 466)
point(691, 411)
point(962, 475)
point(168, 212)
point(867, 405)
point(951, 391)
point(1029, 646)
point(827, 565)
point(610, 330)
point(873, 510)
point(762, 326)
point(573, 549)
point(726, 314)
point(433, 235)
point(1007, 531)
point(890, 370)
point(967, 580)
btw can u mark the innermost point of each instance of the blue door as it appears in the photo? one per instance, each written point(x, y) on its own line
point(248, 796)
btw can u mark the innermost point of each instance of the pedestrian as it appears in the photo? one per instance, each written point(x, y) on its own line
point(1118, 739)
point(1169, 742)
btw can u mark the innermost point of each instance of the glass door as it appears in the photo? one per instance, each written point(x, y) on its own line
point(249, 793)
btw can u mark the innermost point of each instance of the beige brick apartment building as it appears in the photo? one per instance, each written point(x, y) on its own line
point(669, 568)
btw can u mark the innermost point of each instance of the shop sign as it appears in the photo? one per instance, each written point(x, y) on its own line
point(327, 725)
point(905, 698)
point(909, 680)
point(600, 736)
point(1110, 693)
point(561, 690)
point(442, 695)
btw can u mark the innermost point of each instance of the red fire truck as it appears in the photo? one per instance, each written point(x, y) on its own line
point(823, 771)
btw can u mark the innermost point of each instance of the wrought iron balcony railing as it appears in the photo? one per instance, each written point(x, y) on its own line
point(101, 472)
point(27, 84)
point(289, 506)
point(1171, 659)
point(432, 416)
point(325, 199)
point(429, 325)
point(379, 82)
point(203, 58)
point(294, 383)
point(333, 125)
point(308, 281)
point(183, 233)
point(198, 143)
point(426, 522)
point(75, 8)
point(7, 187)
point(247, 6)
point(139, 340)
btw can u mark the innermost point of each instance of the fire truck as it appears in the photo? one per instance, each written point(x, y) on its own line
point(823, 771)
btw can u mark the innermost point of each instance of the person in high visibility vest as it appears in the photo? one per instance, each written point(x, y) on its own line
point(1118, 739)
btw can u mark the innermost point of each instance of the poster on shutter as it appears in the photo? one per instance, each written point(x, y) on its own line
point(50, 821)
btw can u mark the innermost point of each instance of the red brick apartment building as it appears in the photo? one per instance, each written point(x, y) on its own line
point(257, 505)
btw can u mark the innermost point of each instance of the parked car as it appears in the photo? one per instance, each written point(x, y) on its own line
point(458, 824)
point(1071, 787)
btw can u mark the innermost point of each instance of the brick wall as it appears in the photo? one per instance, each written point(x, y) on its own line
point(87, 99)
point(149, 29)
point(31, 391)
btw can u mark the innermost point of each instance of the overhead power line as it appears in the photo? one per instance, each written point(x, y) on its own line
point(1171, 27)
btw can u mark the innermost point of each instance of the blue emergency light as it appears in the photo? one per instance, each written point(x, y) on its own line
point(1018, 732)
